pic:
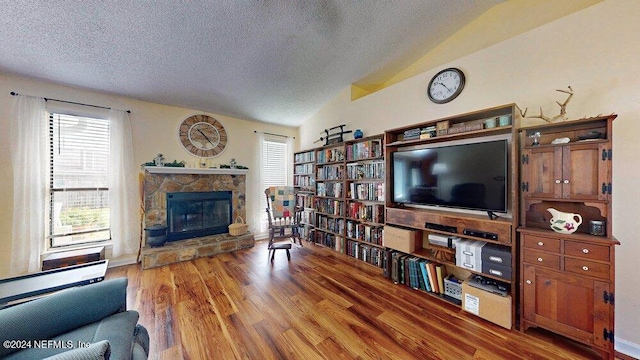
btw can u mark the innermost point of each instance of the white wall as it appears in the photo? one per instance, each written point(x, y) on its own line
point(154, 127)
point(597, 52)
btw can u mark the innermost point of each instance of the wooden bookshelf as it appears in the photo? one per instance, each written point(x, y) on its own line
point(349, 198)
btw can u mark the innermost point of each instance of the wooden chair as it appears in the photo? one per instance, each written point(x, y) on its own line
point(284, 219)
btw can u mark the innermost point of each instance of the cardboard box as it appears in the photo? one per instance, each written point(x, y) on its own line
point(491, 307)
point(442, 127)
point(402, 239)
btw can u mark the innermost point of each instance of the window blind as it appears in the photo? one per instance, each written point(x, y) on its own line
point(78, 180)
point(274, 170)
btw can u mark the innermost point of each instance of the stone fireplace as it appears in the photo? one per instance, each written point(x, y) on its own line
point(201, 203)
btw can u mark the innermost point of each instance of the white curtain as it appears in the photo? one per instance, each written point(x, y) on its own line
point(257, 191)
point(289, 161)
point(29, 146)
point(124, 194)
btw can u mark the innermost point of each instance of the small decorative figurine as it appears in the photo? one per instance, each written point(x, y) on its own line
point(159, 160)
point(233, 163)
point(536, 137)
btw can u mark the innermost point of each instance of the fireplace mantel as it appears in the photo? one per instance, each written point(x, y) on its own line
point(186, 170)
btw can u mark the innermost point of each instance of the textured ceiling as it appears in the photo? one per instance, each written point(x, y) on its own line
point(273, 61)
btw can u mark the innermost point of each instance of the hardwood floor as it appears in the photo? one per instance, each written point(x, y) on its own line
point(320, 305)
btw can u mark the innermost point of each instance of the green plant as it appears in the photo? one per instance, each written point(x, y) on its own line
point(77, 216)
point(175, 163)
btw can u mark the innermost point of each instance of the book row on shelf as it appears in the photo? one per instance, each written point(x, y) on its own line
point(306, 232)
point(330, 155)
point(306, 217)
point(304, 201)
point(370, 254)
point(365, 232)
point(331, 172)
point(329, 206)
point(366, 191)
point(303, 169)
point(306, 182)
point(329, 189)
point(364, 150)
point(422, 274)
point(371, 213)
point(329, 240)
point(308, 156)
point(335, 225)
point(372, 170)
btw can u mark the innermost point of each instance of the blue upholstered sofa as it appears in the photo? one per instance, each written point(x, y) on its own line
point(79, 323)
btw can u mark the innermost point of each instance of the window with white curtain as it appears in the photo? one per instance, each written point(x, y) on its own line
point(78, 180)
point(275, 170)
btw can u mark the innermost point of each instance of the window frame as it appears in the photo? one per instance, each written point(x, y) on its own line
point(51, 189)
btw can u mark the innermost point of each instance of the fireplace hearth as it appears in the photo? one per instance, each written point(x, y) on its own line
point(196, 214)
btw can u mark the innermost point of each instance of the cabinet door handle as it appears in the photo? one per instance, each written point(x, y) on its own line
point(566, 181)
point(540, 259)
point(557, 181)
point(540, 243)
point(586, 251)
point(528, 282)
point(585, 268)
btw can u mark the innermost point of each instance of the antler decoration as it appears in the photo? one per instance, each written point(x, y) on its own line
point(523, 114)
point(563, 108)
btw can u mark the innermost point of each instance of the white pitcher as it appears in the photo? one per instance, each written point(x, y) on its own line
point(563, 222)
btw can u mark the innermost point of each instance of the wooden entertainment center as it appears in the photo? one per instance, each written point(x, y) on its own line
point(563, 283)
point(468, 225)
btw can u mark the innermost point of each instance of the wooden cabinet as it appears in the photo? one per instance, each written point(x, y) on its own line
point(550, 299)
point(567, 286)
point(567, 280)
point(559, 172)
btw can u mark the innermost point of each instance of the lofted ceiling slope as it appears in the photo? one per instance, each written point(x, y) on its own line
point(272, 61)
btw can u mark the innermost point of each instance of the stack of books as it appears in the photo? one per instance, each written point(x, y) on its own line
point(428, 132)
point(412, 134)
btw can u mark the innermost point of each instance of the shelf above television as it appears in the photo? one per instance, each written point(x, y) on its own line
point(449, 137)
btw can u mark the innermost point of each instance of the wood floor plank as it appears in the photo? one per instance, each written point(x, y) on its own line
point(319, 305)
point(295, 346)
point(246, 342)
point(378, 343)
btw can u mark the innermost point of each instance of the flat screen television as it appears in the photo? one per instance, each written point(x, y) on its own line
point(466, 176)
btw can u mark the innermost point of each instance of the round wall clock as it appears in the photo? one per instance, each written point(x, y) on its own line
point(446, 85)
point(202, 136)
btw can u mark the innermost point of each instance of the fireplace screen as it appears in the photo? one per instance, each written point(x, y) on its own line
point(195, 214)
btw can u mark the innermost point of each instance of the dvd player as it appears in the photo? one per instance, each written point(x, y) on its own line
point(481, 234)
point(490, 285)
point(440, 227)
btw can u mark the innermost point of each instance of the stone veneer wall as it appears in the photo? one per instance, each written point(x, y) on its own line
point(157, 185)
